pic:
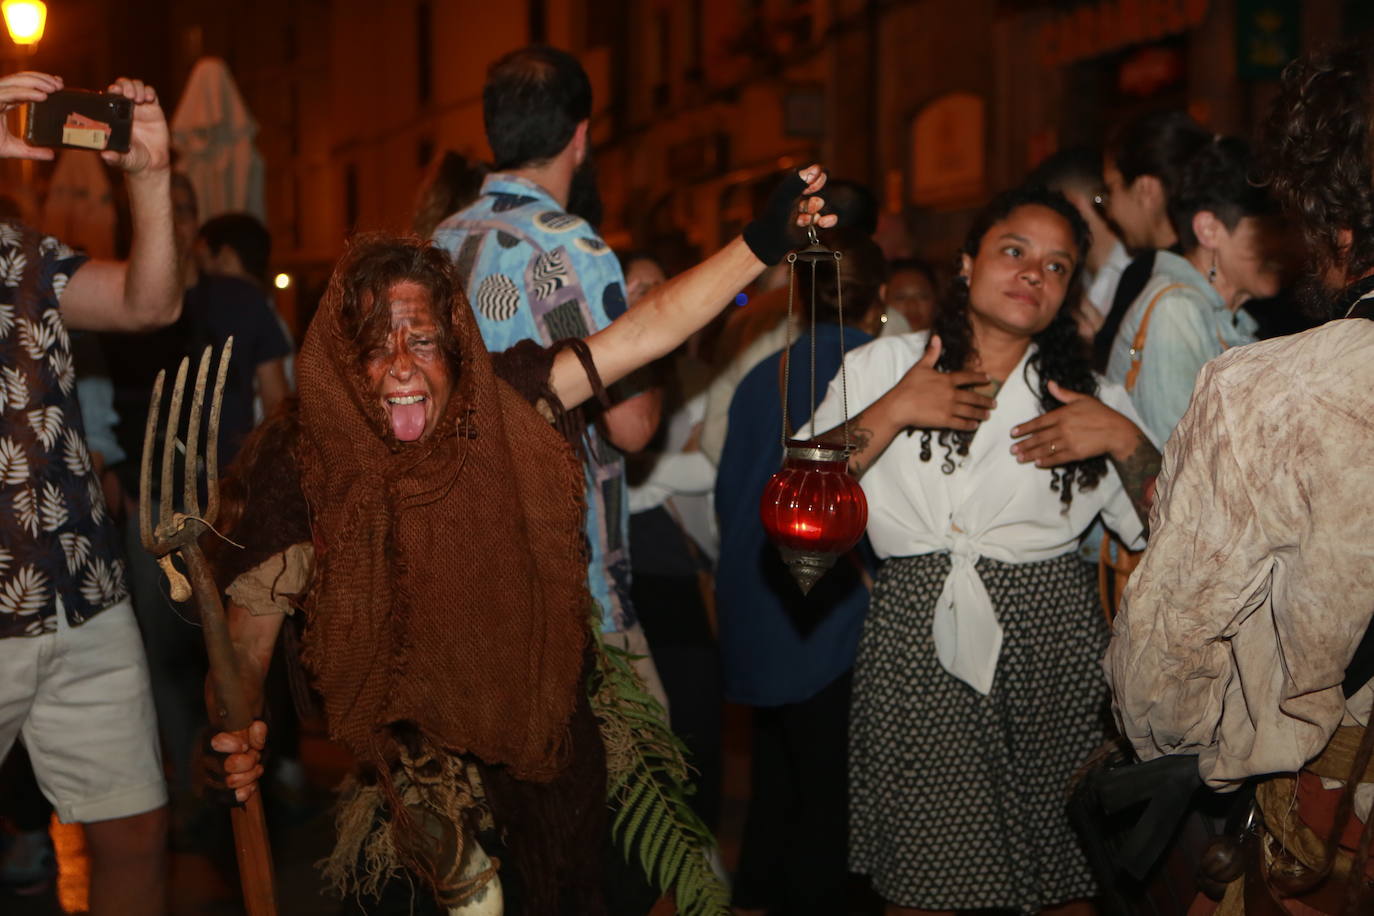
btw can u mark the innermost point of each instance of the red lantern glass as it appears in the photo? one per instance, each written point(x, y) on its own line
point(813, 510)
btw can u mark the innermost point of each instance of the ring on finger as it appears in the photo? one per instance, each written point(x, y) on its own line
point(1054, 447)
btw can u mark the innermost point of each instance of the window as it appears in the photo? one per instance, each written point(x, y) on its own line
point(695, 41)
point(350, 198)
point(293, 117)
point(297, 240)
point(663, 45)
point(424, 53)
point(538, 17)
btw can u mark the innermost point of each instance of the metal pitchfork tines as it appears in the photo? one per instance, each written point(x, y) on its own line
point(178, 532)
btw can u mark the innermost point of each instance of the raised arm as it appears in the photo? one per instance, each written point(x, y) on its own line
point(925, 398)
point(144, 292)
point(673, 311)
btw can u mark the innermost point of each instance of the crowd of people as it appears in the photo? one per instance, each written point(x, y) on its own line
point(501, 510)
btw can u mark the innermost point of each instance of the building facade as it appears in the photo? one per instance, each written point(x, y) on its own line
point(934, 104)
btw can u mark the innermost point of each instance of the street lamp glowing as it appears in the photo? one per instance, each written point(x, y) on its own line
point(282, 281)
point(25, 20)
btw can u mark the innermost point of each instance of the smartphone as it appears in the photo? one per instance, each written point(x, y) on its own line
point(78, 119)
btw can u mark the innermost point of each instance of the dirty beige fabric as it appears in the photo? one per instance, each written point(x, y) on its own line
point(1258, 581)
point(276, 585)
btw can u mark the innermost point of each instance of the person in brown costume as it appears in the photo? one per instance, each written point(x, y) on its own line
point(424, 506)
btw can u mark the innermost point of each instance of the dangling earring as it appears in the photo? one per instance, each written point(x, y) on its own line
point(1212, 271)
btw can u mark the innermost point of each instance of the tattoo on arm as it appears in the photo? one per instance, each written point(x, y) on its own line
point(1138, 473)
point(860, 438)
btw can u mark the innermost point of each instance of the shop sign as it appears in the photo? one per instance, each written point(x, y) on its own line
point(1266, 37)
point(1099, 28)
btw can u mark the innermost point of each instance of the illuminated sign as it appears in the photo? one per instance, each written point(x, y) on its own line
point(1095, 29)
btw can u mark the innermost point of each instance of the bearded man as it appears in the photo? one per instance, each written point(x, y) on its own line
point(535, 268)
point(1241, 637)
point(428, 516)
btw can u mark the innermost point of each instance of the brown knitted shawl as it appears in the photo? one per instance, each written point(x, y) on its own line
point(450, 582)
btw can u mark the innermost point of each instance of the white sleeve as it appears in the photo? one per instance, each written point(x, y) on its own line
point(870, 372)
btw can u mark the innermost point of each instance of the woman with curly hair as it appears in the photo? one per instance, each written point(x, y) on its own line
point(986, 448)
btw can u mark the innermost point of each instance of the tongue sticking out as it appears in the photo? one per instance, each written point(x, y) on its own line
point(408, 420)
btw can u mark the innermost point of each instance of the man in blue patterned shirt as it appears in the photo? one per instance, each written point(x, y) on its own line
point(537, 272)
point(73, 679)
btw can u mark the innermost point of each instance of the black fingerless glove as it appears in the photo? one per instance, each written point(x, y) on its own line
point(770, 236)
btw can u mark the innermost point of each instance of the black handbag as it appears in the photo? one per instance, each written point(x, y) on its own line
point(1145, 828)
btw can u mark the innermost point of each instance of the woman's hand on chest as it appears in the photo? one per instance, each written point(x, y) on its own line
point(1083, 428)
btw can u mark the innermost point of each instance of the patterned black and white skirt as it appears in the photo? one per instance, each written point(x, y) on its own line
point(957, 800)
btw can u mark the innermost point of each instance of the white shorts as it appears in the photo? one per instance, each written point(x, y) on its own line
point(82, 701)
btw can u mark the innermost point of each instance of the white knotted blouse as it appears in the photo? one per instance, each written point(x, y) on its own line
point(989, 506)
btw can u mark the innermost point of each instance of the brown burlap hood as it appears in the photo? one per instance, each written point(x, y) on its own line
point(450, 589)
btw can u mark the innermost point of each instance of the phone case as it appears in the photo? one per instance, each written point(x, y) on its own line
point(78, 119)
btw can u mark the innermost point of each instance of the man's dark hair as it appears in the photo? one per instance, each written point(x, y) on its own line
point(532, 102)
point(373, 264)
point(246, 235)
point(915, 265)
point(854, 204)
point(1317, 158)
point(1078, 168)
point(1218, 180)
point(451, 182)
point(1159, 144)
point(631, 256)
point(862, 272)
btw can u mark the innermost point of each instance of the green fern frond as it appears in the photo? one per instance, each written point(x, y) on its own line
point(647, 782)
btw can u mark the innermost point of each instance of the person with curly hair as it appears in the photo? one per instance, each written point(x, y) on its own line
point(986, 448)
point(1243, 638)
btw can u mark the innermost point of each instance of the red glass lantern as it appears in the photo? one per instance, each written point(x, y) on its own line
point(813, 510)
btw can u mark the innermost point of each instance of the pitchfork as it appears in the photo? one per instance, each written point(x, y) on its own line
point(178, 532)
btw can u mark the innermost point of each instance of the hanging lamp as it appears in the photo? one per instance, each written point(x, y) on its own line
point(813, 509)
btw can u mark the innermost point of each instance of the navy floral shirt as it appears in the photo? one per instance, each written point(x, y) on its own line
point(56, 537)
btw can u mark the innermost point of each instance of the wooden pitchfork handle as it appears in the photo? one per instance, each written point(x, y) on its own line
point(178, 533)
point(250, 825)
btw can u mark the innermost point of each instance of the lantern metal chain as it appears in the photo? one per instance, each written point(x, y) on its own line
point(813, 345)
point(787, 348)
point(844, 379)
point(812, 254)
